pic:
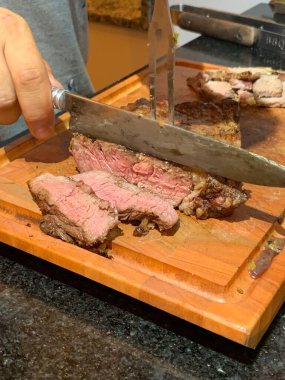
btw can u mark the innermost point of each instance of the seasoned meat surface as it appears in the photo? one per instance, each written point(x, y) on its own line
point(218, 119)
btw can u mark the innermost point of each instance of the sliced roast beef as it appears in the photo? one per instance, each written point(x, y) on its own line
point(71, 210)
point(197, 193)
point(253, 86)
point(132, 202)
point(218, 90)
point(267, 87)
point(169, 181)
point(277, 102)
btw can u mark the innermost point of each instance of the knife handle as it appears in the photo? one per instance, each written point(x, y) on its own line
point(58, 98)
point(225, 30)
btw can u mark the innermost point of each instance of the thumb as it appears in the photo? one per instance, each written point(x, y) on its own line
point(53, 81)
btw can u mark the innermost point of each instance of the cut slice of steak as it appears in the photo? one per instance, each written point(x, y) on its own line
point(71, 211)
point(197, 193)
point(278, 102)
point(218, 90)
point(132, 202)
point(169, 181)
point(252, 86)
point(267, 87)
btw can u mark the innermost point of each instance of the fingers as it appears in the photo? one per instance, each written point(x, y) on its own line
point(9, 106)
point(53, 81)
point(29, 75)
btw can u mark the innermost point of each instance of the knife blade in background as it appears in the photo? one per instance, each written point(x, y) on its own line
point(161, 45)
point(268, 34)
point(166, 141)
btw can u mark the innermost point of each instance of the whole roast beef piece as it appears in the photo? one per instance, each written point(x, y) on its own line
point(132, 202)
point(195, 192)
point(71, 210)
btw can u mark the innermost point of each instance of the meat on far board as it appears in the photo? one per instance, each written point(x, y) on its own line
point(249, 86)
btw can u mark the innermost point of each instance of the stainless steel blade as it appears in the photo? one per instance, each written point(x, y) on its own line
point(170, 143)
point(161, 45)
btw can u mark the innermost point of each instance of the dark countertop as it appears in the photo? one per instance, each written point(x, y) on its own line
point(57, 325)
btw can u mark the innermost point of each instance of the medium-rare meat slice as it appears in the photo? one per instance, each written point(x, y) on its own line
point(132, 202)
point(161, 177)
point(249, 86)
point(197, 193)
point(71, 210)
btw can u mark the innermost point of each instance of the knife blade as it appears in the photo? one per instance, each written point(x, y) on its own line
point(166, 141)
point(161, 41)
point(266, 34)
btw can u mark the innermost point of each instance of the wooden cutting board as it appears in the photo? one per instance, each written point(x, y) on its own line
point(199, 274)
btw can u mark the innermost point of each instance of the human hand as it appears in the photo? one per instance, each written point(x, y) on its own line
point(25, 78)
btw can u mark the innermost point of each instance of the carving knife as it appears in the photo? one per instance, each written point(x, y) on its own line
point(166, 141)
point(162, 44)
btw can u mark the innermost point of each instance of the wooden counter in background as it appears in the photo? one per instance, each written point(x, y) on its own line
point(117, 39)
point(132, 13)
point(114, 52)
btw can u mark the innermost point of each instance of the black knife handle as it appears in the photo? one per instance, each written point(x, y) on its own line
point(225, 30)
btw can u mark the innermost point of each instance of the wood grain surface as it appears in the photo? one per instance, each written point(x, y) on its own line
point(200, 272)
